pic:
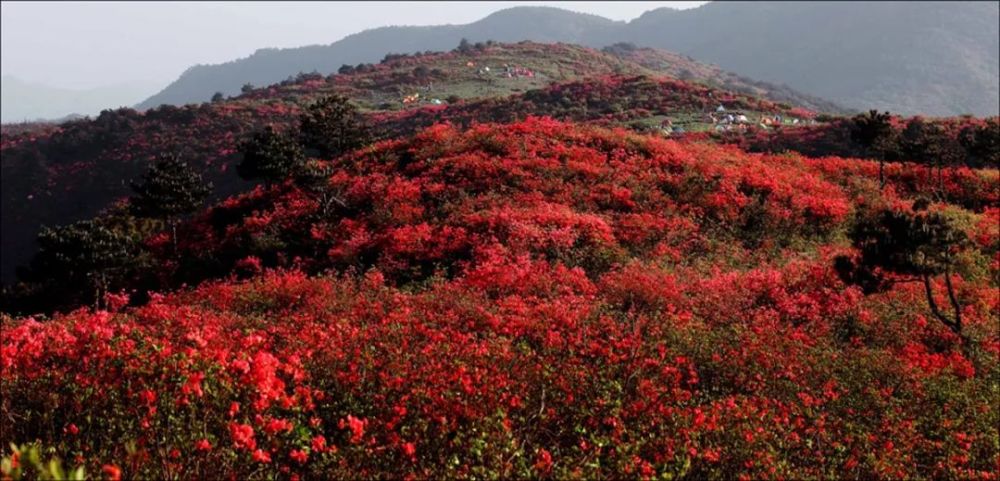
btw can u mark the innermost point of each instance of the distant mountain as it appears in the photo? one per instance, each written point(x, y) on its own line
point(933, 58)
point(25, 101)
point(267, 66)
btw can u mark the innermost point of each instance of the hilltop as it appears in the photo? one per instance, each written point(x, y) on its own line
point(268, 66)
point(941, 60)
point(446, 74)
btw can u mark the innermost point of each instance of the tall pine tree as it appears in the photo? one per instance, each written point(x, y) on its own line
point(874, 132)
point(169, 190)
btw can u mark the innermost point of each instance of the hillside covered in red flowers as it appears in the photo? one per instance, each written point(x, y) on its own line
point(542, 299)
point(55, 175)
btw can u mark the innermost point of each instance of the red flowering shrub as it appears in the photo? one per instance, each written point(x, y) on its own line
point(539, 299)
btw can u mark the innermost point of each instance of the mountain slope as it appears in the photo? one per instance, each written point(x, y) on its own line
point(935, 58)
point(932, 58)
point(57, 176)
point(686, 68)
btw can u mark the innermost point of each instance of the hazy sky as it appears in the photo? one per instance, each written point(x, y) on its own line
point(90, 44)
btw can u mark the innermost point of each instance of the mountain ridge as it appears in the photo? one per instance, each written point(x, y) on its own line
point(885, 65)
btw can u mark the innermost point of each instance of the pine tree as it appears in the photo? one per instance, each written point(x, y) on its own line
point(169, 189)
point(271, 156)
point(333, 126)
point(929, 143)
point(873, 131)
point(86, 255)
point(911, 246)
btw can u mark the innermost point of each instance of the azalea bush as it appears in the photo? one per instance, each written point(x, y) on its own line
point(519, 369)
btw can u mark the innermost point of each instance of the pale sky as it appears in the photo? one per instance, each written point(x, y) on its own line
point(90, 44)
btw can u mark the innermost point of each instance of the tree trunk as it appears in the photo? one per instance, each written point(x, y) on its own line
point(954, 324)
point(954, 301)
point(173, 234)
point(933, 304)
point(99, 288)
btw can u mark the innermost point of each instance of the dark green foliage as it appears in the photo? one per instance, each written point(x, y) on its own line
point(874, 132)
point(911, 246)
point(270, 155)
point(421, 71)
point(247, 87)
point(333, 126)
point(464, 46)
point(81, 263)
point(86, 256)
point(168, 190)
point(982, 144)
point(929, 143)
point(620, 48)
point(308, 76)
point(217, 97)
point(908, 243)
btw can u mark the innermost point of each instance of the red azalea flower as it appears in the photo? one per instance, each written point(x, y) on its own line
point(299, 456)
point(410, 449)
point(319, 444)
point(243, 435)
point(261, 456)
point(114, 473)
point(543, 461)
